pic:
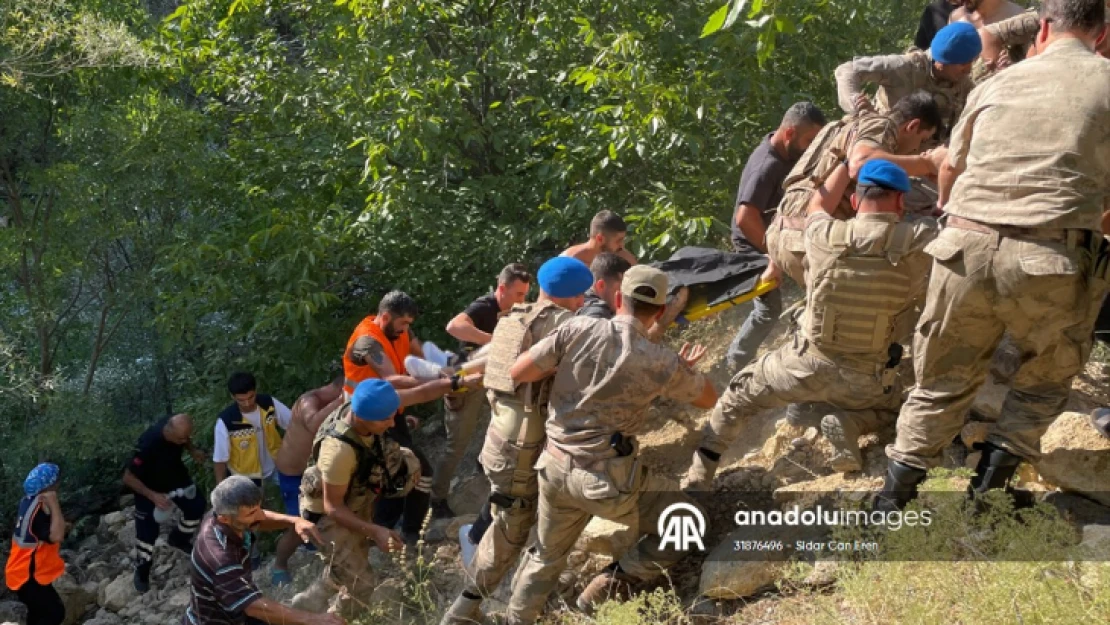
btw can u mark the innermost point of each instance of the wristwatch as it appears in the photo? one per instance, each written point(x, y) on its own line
point(456, 382)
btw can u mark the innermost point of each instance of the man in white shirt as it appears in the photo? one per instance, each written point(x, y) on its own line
point(247, 434)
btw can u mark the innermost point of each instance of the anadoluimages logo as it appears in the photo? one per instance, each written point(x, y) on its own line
point(682, 526)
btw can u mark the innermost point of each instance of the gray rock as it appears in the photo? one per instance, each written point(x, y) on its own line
point(13, 611)
point(119, 594)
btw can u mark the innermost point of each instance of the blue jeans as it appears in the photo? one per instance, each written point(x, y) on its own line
point(765, 314)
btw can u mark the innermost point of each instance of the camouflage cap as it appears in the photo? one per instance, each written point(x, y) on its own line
point(651, 279)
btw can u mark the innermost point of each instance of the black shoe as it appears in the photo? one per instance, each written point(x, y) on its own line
point(440, 510)
point(141, 579)
point(899, 487)
point(180, 540)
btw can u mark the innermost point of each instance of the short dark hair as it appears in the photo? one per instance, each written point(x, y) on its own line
point(917, 105)
point(803, 114)
point(609, 267)
point(514, 271)
point(873, 192)
point(1081, 15)
point(241, 382)
point(641, 308)
point(398, 304)
point(607, 222)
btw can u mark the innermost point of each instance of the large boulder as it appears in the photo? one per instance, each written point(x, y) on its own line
point(1075, 457)
point(77, 598)
point(119, 594)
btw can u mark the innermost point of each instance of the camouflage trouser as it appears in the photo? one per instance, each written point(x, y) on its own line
point(621, 490)
point(983, 285)
point(460, 419)
point(514, 494)
point(786, 247)
point(791, 374)
point(348, 568)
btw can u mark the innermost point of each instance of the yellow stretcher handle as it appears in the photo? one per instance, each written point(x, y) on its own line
point(700, 308)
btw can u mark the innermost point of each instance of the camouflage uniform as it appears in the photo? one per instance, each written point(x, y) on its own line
point(898, 76)
point(785, 240)
point(384, 467)
point(865, 278)
point(1016, 34)
point(1014, 254)
point(607, 373)
point(513, 443)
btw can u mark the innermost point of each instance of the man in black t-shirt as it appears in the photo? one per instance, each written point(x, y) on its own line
point(933, 18)
point(160, 480)
point(474, 328)
point(758, 196)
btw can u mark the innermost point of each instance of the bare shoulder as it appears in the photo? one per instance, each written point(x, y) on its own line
point(578, 250)
point(1012, 9)
point(959, 15)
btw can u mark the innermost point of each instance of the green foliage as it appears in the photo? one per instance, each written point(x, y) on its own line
point(235, 186)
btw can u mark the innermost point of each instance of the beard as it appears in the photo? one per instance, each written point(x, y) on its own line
point(794, 151)
point(391, 333)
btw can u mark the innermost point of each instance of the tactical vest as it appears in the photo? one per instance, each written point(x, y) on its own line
point(828, 150)
point(854, 297)
point(29, 552)
point(381, 469)
point(511, 337)
point(243, 456)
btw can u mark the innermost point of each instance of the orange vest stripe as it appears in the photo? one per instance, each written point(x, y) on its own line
point(396, 351)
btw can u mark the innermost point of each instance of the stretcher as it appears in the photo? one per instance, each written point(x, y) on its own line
point(717, 280)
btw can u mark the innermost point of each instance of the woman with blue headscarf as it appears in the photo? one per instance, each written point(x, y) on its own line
point(34, 562)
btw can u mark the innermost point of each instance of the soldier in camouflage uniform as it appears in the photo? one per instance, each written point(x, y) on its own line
point(944, 72)
point(1020, 253)
point(516, 431)
point(606, 374)
point(353, 462)
point(1005, 43)
point(865, 277)
point(895, 136)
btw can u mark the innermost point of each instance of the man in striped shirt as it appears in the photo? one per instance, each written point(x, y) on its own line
point(223, 592)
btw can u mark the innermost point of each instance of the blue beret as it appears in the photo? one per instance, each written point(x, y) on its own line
point(564, 276)
point(374, 400)
point(956, 44)
point(882, 173)
point(40, 478)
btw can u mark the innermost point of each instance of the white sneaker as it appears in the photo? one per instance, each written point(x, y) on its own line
point(467, 549)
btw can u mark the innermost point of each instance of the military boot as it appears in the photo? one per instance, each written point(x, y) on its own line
point(609, 585)
point(841, 434)
point(466, 610)
point(995, 468)
point(700, 476)
point(899, 487)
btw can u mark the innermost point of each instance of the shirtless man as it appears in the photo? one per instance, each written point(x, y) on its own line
point(607, 234)
point(308, 412)
point(982, 13)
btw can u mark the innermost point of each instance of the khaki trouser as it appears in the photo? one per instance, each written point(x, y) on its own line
point(347, 568)
point(621, 490)
point(461, 420)
point(512, 446)
point(982, 286)
point(794, 373)
point(786, 247)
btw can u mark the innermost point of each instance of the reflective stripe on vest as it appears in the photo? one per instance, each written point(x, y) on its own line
point(26, 549)
point(395, 350)
point(854, 299)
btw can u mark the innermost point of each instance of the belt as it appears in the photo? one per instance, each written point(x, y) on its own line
point(564, 457)
point(859, 363)
point(1072, 235)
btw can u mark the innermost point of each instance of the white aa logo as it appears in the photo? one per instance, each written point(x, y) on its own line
point(679, 530)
